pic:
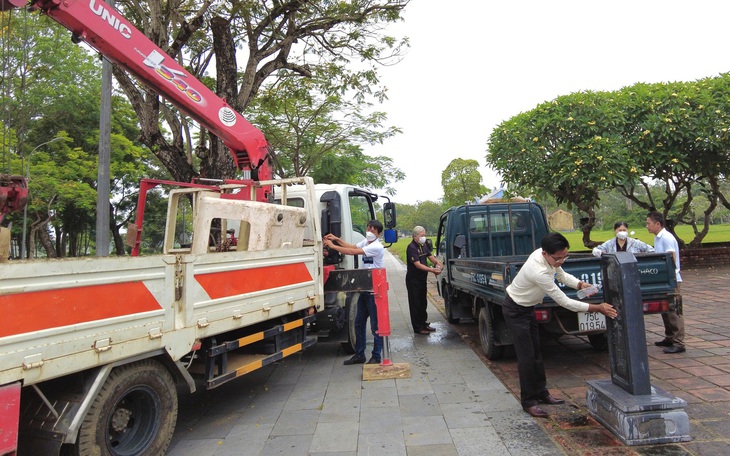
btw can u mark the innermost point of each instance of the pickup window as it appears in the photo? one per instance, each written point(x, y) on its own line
point(499, 223)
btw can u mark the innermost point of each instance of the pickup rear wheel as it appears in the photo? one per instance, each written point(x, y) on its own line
point(134, 413)
point(486, 335)
point(449, 305)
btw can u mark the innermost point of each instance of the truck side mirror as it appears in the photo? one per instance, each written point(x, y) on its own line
point(389, 215)
point(390, 236)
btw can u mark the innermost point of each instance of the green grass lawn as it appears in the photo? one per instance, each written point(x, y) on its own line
point(717, 233)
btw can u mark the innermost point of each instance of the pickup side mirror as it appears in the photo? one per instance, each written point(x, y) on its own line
point(389, 215)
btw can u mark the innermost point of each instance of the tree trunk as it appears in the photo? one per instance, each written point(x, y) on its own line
point(220, 162)
point(41, 227)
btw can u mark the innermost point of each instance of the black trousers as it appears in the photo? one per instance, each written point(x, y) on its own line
point(417, 302)
point(521, 321)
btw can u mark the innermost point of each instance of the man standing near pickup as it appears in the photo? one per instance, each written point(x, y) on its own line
point(673, 341)
point(528, 289)
point(372, 252)
point(419, 253)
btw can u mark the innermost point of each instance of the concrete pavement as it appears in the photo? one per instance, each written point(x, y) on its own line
point(456, 402)
point(311, 404)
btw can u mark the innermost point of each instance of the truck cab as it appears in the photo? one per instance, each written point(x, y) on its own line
point(490, 230)
point(344, 210)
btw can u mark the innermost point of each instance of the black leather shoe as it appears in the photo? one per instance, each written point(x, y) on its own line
point(663, 343)
point(675, 349)
point(373, 361)
point(549, 399)
point(536, 411)
point(429, 328)
point(354, 360)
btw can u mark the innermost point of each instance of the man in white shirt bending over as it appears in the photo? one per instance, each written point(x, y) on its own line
point(528, 289)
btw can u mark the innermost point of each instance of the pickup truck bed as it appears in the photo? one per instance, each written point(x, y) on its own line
point(481, 282)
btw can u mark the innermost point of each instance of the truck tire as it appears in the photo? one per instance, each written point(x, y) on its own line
point(133, 415)
point(448, 305)
point(486, 335)
point(351, 308)
point(599, 341)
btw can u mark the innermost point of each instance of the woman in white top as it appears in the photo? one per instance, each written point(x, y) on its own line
point(622, 242)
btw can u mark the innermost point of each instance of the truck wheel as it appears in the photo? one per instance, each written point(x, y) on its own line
point(599, 341)
point(486, 335)
point(134, 413)
point(448, 306)
point(351, 307)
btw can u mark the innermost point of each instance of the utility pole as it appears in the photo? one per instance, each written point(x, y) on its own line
point(102, 180)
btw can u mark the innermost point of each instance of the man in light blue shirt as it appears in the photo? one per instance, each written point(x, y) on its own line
point(664, 242)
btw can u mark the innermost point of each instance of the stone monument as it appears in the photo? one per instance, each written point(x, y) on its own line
point(628, 405)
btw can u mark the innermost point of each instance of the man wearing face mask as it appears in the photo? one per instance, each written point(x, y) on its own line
point(622, 242)
point(418, 254)
point(372, 252)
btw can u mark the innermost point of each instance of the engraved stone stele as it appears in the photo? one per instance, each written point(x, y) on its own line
point(627, 404)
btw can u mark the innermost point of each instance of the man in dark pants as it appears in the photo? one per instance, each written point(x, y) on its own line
point(536, 279)
point(418, 254)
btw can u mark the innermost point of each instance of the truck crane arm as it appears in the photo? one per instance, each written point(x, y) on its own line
point(112, 35)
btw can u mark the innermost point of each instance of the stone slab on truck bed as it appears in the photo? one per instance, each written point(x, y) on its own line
point(483, 246)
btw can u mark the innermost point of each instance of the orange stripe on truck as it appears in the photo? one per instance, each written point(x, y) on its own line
point(240, 281)
point(39, 310)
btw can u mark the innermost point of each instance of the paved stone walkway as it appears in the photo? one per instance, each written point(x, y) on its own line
point(456, 402)
point(311, 404)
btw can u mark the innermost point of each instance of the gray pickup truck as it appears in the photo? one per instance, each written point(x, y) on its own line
point(483, 246)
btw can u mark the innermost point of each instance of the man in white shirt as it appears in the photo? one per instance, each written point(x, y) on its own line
point(536, 279)
point(673, 341)
point(373, 253)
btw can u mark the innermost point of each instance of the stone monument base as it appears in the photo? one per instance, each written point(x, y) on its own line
point(638, 419)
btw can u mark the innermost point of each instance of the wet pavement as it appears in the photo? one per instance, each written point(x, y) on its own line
point(311, 404)
point(700, 376)
point(456, 402)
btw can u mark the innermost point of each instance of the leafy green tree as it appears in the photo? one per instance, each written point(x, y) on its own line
point(358, 169)
point(427, 215)
point(317, 132)
point(571, 148)
point(676, 136)
point(424, 213)
point(53, 87)
point(277, 39)
point(462, 182)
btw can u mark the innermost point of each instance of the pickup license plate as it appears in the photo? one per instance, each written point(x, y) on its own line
point(591, 321)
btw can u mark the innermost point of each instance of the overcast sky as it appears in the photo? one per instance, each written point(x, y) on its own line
point(476, 63)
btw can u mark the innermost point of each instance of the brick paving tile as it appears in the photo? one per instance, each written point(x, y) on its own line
point(719, 380)
point(691, 383)
point(700, 376)
point(723, 367)
point(711, 394)
point(702, 371)
point(668, 374)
